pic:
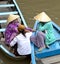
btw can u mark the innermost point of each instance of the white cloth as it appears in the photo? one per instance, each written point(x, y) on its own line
point(24, 46)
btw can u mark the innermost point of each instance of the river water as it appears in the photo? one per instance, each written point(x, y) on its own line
point(29, 9)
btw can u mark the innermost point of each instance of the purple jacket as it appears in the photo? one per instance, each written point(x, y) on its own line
point(11, 31)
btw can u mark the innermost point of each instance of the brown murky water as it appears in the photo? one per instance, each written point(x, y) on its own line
point(29, 9)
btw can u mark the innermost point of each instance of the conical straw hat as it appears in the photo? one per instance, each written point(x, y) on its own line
point(42, 17)
point(12, 17)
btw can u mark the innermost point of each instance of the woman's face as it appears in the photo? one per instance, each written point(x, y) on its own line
point(43, 22)
point(18, 20)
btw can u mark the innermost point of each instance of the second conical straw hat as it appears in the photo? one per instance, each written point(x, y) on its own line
point(12, 17)
point(42, 17)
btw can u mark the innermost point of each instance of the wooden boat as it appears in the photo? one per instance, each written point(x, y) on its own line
point(8, 7)
point(53, 50)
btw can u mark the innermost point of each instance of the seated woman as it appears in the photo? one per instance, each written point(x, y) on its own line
point(23, 41)
point(11, 29)
point(46, 26)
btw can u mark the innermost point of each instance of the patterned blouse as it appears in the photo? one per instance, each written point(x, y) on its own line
point(11, 31)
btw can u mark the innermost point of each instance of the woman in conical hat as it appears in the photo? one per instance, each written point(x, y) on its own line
point(46, 26)
point(11, 29)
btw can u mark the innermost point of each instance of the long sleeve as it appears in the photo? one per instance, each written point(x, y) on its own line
point(13, 28)
point(44, 27)
point(13, 42)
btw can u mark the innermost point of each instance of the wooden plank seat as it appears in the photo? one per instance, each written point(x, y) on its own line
point(7, 5)
point(7, 13)
point(53, 50)
point(3, 21)
point(2, 30)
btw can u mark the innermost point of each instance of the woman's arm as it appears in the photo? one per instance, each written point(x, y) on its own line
point(46, 26)
point(13, 42)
